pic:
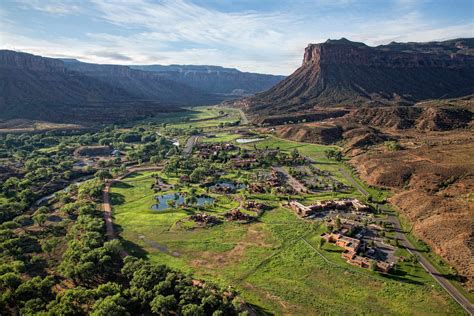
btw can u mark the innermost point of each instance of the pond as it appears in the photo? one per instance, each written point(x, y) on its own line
point(228, 184)
point(179, 199)
point(248, 140)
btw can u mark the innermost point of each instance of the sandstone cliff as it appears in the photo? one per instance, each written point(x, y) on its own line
point(38, 88)
point(341, 73)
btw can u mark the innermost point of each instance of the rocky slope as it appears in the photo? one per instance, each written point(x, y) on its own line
point(34, 87)
point(432, 178)
point(37, 88)
point(348, 74)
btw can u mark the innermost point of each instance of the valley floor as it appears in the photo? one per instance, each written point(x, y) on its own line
point(277, 262)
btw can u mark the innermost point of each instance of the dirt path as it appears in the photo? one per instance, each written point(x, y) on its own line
point(400, 235)
point(244, 120)
point(188, 148)
point(294, 183)
point(107, 208)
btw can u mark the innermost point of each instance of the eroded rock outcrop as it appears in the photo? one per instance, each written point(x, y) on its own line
point(341, 73)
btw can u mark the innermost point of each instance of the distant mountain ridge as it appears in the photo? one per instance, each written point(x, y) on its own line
point(225, 82)
point(40, 88)
point(341, 73)
point(216, 79)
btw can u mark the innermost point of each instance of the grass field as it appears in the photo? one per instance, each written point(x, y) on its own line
point(275, 263)
point(268, 261)
point(197, 117)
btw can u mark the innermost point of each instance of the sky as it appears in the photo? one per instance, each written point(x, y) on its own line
point(265, 36)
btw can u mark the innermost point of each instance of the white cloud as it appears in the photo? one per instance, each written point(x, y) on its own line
point(54, 7)
point(182, 32)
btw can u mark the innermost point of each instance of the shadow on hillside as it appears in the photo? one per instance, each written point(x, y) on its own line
point(122, 185)
point(116, 198)
point(259, 310)
point(130, 247)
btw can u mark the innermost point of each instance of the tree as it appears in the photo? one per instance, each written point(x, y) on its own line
point(42, 210)
point(155, 159)
point(110, 305)
point(198, 174)
point(163, 304)
point(91, 189)
point(333, 154)
point(338, 223)
point(10, 280)
point(40, 219)
point(10, 185)
point(192, 309)
point(295, 154)
point(48, 245)
point(103, 174)
point(322, 241)
point(373, 265)
point(26, 196)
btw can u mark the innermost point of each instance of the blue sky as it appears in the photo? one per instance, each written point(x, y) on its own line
point(251, 35)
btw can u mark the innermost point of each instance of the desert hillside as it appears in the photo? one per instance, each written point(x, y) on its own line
point(423, 154)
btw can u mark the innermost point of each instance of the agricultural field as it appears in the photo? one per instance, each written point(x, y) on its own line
point(273, 258)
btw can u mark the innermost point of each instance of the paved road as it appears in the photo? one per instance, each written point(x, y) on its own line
point(107, 208)
point(353, 182)
point(188, 148)
point(441, 279)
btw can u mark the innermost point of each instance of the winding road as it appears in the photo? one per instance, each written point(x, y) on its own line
point(400, 235)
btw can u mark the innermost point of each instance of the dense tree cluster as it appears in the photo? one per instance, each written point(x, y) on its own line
point(55, 259)
point(196, 169)
point(333, 154)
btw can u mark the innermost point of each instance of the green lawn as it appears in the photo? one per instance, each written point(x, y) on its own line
point(272, 262)
point(197, 117)
point(267, 261)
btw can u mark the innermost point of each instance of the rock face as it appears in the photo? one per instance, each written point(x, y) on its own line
point(13, 60)
point(37, 88)
point(344, 73)
point(34, 87)
point(422, 118)
point(215, 79)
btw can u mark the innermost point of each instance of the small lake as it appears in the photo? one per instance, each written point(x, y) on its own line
point(230, 185)
point(248, 140)
point(179, 199)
